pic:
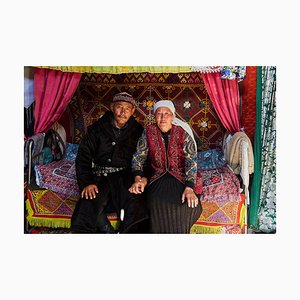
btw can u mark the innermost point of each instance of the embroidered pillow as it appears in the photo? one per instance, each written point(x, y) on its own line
point(71, 151)
point(210, 159)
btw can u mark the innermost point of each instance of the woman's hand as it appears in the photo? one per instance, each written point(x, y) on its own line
point(89, 191)
point(191, 197)
point(139, 185)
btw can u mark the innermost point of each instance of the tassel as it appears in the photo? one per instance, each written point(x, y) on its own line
point(200, 229)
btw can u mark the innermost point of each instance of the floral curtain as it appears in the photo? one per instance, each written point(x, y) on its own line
point(263, 204)
point(53, 91)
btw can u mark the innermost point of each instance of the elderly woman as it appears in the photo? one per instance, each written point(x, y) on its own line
point(175, 185)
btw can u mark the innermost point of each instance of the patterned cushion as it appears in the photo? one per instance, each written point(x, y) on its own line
point(71, 151)
point(210, 159)
point(58, 176)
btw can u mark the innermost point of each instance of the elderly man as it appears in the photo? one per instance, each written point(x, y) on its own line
point(103, 168)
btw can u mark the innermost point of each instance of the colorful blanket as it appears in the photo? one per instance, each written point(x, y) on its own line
point(221, 218)
point(49, 209)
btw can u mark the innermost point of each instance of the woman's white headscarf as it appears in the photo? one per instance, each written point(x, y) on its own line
point(169, 104)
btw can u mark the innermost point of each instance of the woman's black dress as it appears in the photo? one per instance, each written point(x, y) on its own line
point(168, 213)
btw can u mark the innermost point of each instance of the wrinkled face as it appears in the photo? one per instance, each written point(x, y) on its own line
point(122, 112)
point(164, 118)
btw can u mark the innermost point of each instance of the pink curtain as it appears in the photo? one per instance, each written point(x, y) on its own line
point(224, 94)
point(53, 91)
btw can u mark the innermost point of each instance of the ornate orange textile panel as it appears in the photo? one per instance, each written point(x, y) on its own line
point(187, 91)
point(249, 102)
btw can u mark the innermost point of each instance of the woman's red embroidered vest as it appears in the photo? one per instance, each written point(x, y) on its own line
point(172, 160)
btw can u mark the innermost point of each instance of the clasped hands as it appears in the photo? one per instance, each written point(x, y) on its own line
point(139, 185)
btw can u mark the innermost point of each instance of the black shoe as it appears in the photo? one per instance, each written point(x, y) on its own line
point(140, 226)
point(107, 229)
point(103, 225)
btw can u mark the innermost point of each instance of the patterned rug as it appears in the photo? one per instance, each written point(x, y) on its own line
point(95, 91)
point(53, 210)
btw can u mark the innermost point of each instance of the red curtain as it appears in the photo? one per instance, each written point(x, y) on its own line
point(224, 94)
point(53, 91)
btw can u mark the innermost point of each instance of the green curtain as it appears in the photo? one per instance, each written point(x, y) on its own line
point(263, 194)
point(255, 189)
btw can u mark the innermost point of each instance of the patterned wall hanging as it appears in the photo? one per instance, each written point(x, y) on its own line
point(186, 90)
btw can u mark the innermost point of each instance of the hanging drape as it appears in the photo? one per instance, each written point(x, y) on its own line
point(53, 91)
point(224, 94)
point(263, 206)
point(255, 189)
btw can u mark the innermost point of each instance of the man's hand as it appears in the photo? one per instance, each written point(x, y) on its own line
point(89, 192)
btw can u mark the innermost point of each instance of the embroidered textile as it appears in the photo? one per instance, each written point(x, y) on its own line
point(220, 185)
point(210, 159)
point(46, 208)
point(249, 103)
point(49, 209)
point(181, 161)
point(58, 176)
point(221, 218)
point(187, 91)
